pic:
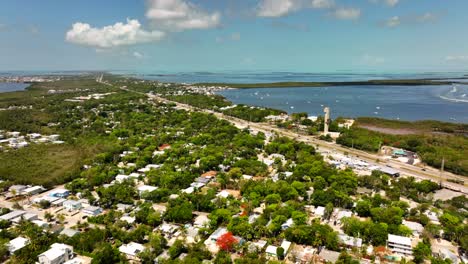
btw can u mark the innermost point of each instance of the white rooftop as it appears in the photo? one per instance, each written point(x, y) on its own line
point(56, 251)
point(147, 188)
point(17, 244)
point(319, 211)
point(399, 240)
point(131, 248)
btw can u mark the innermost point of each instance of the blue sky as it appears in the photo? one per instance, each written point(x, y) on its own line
point(217, 35)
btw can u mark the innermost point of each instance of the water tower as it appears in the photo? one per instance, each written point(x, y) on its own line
point(326, 121)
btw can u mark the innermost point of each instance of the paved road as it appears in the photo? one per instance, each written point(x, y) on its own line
point(405, 169)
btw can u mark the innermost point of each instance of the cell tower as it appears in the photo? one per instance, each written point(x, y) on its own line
point(326, 121)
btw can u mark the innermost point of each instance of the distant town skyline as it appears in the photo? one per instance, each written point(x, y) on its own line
point(208, 35)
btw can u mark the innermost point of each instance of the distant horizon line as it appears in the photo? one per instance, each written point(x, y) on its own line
point(133, 71)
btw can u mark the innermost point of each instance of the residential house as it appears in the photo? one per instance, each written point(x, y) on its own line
point(129, 219)
point(28, 216)
point(57, 254)
point(124, 207)
point(257, 246)
point(17, 189)
point(201, 221)
point(69, 232)
point(168, 229)
point(400, 244)
point(415, 227)
point(59, 193)
point(271, 250)
point(72, 205)
point(131, 250)
point(12, 215)
point(33, 190)
point(329, 256)
point(349, 241)
point(17, 244)
point(92, 210)
point(287, 224)
point(146, 189)
point(319, 211)
point(447, 254)
point(216, 235)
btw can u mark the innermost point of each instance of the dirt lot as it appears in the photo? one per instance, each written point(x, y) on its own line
point(391, 131)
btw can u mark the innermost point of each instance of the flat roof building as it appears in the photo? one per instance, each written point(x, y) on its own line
point(12, 215)
point(17, 244)
point(57, 254)
point(92, 210)
point(390, 171)
point(131, 250)
point(400, 244)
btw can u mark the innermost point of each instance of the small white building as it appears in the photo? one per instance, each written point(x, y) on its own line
point(12, 215)
point(17, 244)
point(129, 219)
point(201, 221)
point(33, 190)
point(415, 227)
point(92, 210)
point(168, 228)
point(271, 250)
point(350, 241)
point(146, 189)
point(121, 178)
point(319, 211)
point(131, 250)
point(57, 254)
point(72, 205)
point(287, 224)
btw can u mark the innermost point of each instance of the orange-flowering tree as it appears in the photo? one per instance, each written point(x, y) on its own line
point(226, 242)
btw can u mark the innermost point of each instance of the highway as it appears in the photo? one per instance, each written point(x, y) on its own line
point(404, 169)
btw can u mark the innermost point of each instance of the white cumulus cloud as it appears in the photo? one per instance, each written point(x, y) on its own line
point(119, 34)
point(392, 2)
point(427, 17)
point(278, 8)
point(138, 55)
point(457, 58)
point(322, 3)
point(347, 13)
point(178, 15)
point(393, 22)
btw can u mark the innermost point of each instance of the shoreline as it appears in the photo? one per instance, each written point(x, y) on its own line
point(402, 82)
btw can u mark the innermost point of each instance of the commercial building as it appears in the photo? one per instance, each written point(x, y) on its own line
point(390, 171)
point(400, 244)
